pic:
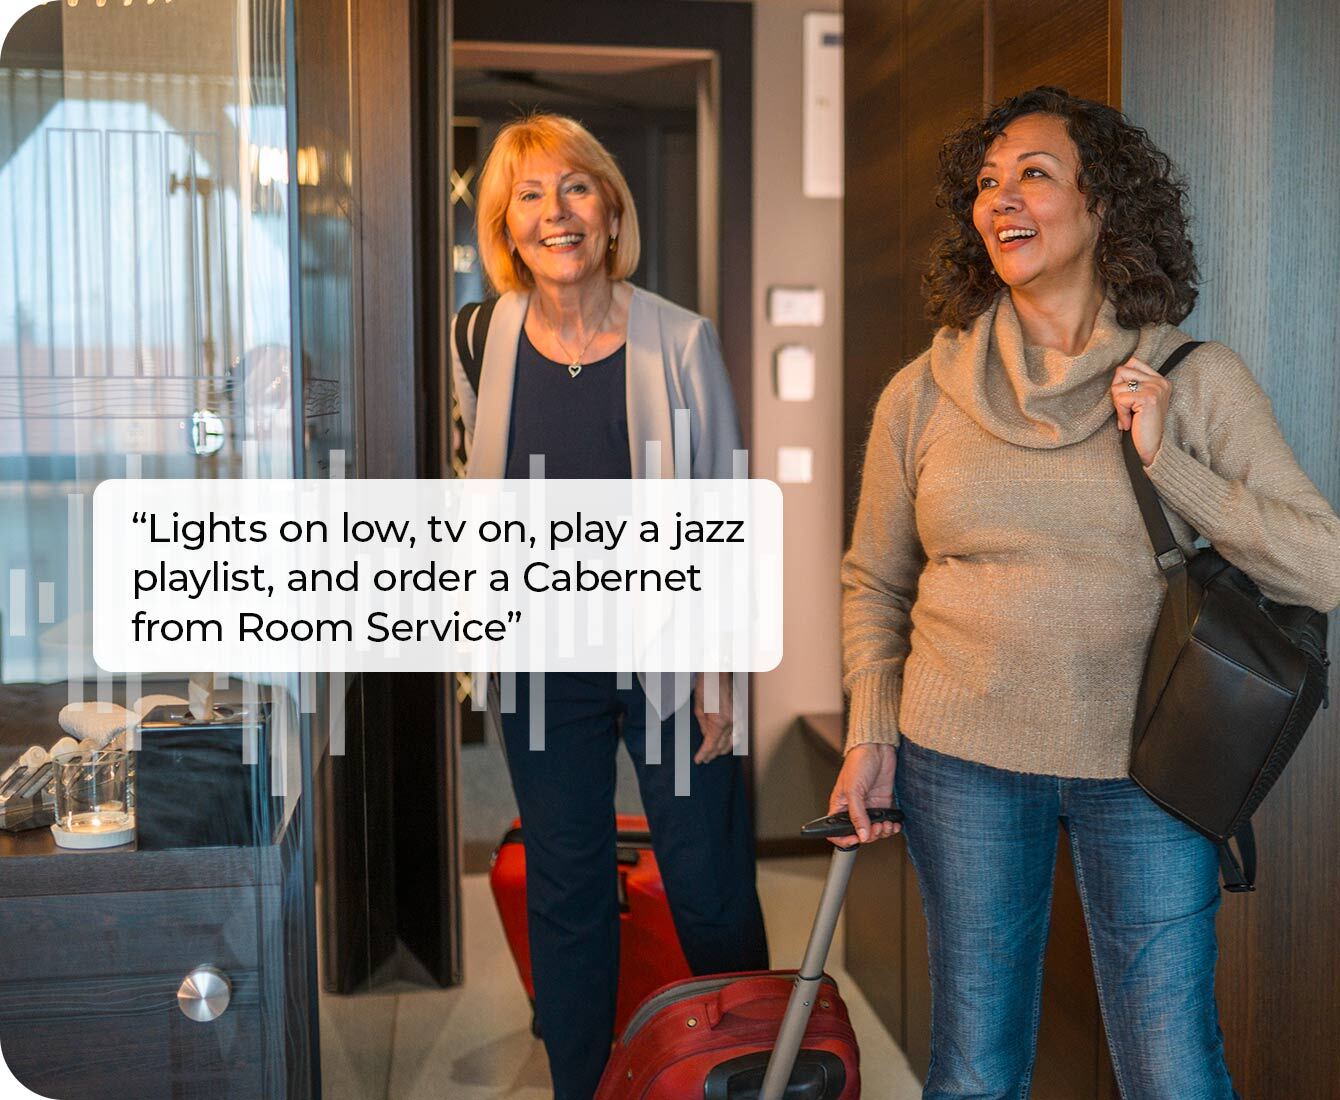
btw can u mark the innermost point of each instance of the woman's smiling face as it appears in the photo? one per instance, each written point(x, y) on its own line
point(557, 221)
point(1030, 211)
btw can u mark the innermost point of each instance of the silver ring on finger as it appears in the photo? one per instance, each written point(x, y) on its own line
point(1133, 384)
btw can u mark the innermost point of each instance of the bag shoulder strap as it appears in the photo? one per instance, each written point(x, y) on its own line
point(470, 346)
point(1167, 554)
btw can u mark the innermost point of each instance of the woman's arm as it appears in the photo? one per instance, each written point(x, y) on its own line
point(879, 581)
point(1247, 494)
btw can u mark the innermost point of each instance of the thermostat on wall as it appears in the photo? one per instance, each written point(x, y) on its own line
point(795, 305)
point(795, 372)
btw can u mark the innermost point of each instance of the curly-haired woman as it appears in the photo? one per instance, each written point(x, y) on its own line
point(1000, 592)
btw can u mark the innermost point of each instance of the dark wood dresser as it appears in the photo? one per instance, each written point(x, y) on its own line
point(97, 944)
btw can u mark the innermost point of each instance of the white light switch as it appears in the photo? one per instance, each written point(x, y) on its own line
point(795, 465)
point(795, 305)
point(795, 372)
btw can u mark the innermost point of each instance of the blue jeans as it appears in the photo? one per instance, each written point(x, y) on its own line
point(983, 842)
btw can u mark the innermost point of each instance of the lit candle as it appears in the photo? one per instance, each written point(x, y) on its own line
point(98, 821)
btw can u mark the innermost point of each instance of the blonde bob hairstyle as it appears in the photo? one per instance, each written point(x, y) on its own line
point(565, 140)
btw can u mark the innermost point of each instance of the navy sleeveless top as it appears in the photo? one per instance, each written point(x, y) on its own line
point(579, 424)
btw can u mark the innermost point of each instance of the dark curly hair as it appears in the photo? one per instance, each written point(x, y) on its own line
point(1145, 259)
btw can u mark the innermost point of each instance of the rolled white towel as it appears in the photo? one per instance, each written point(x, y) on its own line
point(99, 722)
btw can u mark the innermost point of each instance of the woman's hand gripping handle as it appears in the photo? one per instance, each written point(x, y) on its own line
point(864, 784)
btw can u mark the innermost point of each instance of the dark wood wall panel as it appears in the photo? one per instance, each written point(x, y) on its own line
point(1236, 92)
point(872, 225)
point(387, 233)
point(1045, 42)
point(942, 88)
point(874, 926)
point(914, 71)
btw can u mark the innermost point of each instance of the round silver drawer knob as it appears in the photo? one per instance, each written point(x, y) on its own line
point(204, 994)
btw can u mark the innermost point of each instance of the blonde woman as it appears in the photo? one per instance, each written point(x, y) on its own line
point(585, 369)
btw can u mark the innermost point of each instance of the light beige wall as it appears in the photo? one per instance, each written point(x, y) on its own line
point(797, 242)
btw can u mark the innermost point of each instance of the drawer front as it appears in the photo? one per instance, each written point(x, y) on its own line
point(126, 1039)
point(146, 932)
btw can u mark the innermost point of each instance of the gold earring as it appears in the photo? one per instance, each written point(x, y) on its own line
point(614, 244)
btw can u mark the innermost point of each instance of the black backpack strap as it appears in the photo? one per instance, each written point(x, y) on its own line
point(463, 353)
point(470, 346)
point(1166, 551)
point(1179, 353)
point(1239, 876)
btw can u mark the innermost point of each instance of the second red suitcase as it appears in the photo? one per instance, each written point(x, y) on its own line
point(712, 1038)
point(770, 1035)
point(649, 951)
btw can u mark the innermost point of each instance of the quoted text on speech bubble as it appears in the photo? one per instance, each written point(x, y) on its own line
point(655, 575)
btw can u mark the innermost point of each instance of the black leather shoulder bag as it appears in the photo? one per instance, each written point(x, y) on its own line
point(1231, 683)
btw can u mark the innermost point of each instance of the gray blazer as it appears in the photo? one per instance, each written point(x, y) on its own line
point(673, 362)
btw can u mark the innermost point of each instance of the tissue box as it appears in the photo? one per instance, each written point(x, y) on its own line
point(192, 787)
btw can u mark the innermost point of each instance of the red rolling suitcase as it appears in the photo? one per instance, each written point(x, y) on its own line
point(649, 951)
point(769, 1035)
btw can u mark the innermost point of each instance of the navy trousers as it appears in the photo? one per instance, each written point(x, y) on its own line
point(703, 844)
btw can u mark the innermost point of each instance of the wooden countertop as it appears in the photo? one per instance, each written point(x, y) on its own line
point(34, 865)
point(47, 869)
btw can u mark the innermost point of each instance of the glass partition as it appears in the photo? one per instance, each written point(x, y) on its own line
point(147, 183)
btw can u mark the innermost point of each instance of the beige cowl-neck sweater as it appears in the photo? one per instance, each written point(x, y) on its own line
point(1000, 591)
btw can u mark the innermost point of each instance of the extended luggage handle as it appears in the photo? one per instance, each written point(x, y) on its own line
point(811, 974)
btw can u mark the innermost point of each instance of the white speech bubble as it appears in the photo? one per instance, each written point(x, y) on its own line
point(405, 575)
